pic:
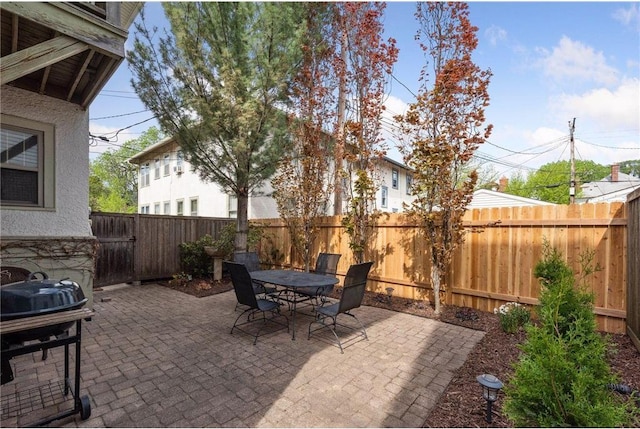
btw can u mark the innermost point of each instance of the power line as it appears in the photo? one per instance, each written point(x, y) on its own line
point(119, 116)
point(610, 147)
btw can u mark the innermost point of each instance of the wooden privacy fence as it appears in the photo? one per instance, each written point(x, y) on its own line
point(495, 264)
point(135, 247)
point(633, 267)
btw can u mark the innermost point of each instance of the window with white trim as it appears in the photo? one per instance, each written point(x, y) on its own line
point(156, 208)
point(233, 206)
point(144, 209)
point(166, 165)
point(409, 183)
point(27, 163)
point(179, 207)
point(394, 178)
point(194, 206)
point(156, 168)
point(167, 207)
point(385, 196)
point(144, 175)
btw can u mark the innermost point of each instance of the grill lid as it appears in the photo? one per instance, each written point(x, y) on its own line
point(35, 297)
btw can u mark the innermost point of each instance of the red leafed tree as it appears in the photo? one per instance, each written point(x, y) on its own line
point(365, 62)
point(302, 184)
point(444, 127)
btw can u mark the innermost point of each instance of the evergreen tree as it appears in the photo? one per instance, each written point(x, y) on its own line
point(219, 83)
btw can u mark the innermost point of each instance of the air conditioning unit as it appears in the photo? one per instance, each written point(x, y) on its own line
point(178, 169)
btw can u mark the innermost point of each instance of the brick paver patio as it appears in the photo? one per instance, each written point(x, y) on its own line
point(154, 357)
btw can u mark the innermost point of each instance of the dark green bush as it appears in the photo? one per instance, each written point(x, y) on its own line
point(193, 259)
point(561, 378)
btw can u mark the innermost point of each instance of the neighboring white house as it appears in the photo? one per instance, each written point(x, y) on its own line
point(615, 187)
point(55, 59)
point(167, 185)
point(484, 198)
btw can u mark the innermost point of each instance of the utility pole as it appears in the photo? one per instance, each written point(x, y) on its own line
point(572, 185)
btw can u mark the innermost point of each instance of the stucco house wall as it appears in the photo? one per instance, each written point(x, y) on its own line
point(71, 124)
point(28, 234)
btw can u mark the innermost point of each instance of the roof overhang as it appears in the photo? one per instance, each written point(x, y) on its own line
point(63, 50)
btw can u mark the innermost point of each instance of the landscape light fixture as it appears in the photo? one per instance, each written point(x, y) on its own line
point(490, 388)
point(389, 293)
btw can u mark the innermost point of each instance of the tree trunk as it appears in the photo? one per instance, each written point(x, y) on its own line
point(342, 103)
point(435, 282)
point(242, 224)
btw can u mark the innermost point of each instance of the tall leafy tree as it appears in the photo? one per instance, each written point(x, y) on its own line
point(302, 184)
point(444, 128)
point(369, 62)
point(113, 182)
point(551, 181)
point(219, 83)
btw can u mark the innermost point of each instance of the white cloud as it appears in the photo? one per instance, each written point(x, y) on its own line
point(628, 17)
point(495, 34)
point(573, 61)
point(604, 108)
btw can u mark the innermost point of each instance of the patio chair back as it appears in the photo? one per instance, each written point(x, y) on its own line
point(242, 284)
point(248, 259)
point(327, 263)
point(355, 283)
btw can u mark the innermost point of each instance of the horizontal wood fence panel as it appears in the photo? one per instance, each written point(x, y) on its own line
point(497, 260)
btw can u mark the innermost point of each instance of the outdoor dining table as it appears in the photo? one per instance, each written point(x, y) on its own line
point(291, 280)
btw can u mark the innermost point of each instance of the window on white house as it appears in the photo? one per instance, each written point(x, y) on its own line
point(394, 178)
point(167, 208)
point(385, 196)
point(27, 163)
point(179, 207)
point(409, 183)
point(194, 207)
point(180, 158)
point(156, 168)
point(166, 165)
point(144, 209)
point(156, 208)
point(144, 175)
point(233, 206)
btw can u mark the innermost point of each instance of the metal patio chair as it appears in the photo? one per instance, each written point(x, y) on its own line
point(243, 287)
point(355, 283)
point(252, 262)
point(327, 264)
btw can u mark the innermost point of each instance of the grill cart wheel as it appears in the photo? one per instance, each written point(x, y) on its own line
point(85, 404)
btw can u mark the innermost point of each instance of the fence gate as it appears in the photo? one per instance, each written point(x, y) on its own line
point(116, 253)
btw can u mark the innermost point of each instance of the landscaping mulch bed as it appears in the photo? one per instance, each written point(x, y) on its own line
point(461, 404)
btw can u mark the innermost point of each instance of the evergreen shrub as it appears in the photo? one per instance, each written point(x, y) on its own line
point(562, 375)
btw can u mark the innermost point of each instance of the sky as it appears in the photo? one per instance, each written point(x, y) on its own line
point(551, 62)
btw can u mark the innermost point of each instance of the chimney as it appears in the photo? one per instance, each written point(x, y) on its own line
point(503, 184)
point(615, 170)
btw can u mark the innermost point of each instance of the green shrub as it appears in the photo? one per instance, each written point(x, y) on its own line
point(226, 242)
point(193, 258)
point(513, 316)
point(562, 375)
